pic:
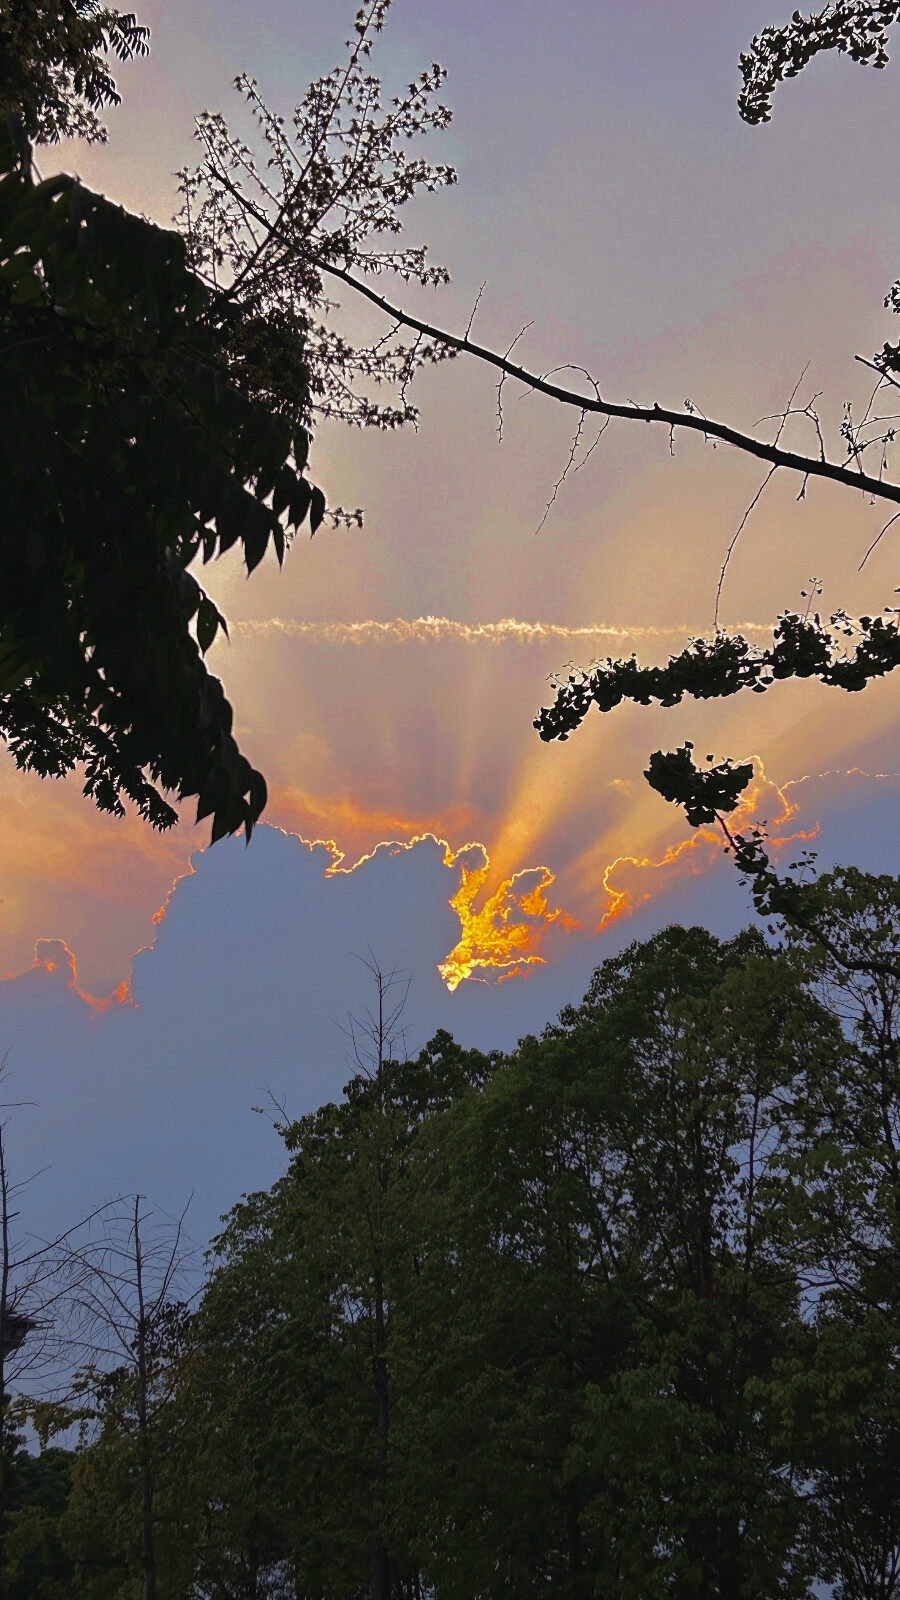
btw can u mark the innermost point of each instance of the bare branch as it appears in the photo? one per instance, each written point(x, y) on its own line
point(475, 308)
point(735, 537)
point(503, 380)
point(794, 461)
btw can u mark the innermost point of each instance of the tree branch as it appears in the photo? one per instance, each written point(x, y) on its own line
point(812, 466)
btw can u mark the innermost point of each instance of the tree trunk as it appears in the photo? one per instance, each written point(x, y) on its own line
point(4, 1314)
point(149, 1558)
point(147, 1542)
point(381, 1578)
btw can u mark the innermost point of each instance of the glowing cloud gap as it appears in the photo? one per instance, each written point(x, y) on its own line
point(492, 936)
point(503, 936)
point(696, 851)
point(420, 629)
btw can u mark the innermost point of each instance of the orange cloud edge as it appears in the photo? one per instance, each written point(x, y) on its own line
point(501, 934)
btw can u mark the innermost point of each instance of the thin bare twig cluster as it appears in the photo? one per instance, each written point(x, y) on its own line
point(324, 188)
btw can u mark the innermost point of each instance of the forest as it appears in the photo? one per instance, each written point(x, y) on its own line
point(614, 1314)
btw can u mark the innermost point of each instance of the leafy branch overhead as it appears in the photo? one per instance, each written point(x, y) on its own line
point(157, 396)
point(327, 188)
point(136, 433)
point(856, 28)
point(710, 669)
point(802, 647)
point(159, 392)
point(54, 65)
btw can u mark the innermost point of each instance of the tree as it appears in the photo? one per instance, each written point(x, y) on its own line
point(326, 1324)
point(32, 1355)
point(839, 1407)
point(615, 1313)
point(54, 68)
point(642, 1282)
point(140, 427)
point(127, 1315)
point(582, 1269)
point(37, 1565)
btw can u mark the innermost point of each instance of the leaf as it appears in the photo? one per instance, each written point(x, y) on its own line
point(301, 449)
point(231, 516)
point(300, 501)
point(207, 623)
point(256, 535)
point(316, 510)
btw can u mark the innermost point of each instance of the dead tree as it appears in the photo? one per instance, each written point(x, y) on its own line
point(35, 1346)
point(374, 1039)
point(130, 1305)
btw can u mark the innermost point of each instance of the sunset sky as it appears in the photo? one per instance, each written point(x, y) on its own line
point(386, 679)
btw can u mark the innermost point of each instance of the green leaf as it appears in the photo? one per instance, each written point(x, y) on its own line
point(316, 510)
point(300, 501)
point(207, 623)
point(256, 535)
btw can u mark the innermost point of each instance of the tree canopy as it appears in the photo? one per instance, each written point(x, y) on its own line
point(141, 426)
point(55, 76)
point(614, 1314)
point(157, 408)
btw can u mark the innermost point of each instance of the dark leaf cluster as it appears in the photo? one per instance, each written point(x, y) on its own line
point(137, 433)
point(706, 793)
point(54, 65)
point(803, 647)
point(857, 28)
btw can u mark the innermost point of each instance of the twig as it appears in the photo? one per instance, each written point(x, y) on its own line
point(877, 540)
point(475, 308)
point(503, 379)
point(576, 440)
point(810, 466)
point(734, 539)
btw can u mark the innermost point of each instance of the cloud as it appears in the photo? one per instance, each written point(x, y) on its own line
point(255, 965)
point(507, 631)
point(252, 969)
point(53, 971)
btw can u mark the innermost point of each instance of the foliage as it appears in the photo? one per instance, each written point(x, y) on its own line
point(628, 1293)
point(804, 647)
point(159, 391)
point(36, 1565)
point(326, 188)
point(54, 67)
point(132, 438)
point(856, 28)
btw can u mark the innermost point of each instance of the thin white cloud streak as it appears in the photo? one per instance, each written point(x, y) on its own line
point(423, 629)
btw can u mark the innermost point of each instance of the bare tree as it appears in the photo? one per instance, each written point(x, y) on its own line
point(129, 1293)
point(35, 1336)
point(374, 1040)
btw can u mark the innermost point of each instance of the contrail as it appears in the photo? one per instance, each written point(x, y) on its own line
point(508, 630)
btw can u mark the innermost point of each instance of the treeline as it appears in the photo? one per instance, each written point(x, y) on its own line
point(614, 1315)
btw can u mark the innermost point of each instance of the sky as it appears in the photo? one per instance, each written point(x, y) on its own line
point(154, 991)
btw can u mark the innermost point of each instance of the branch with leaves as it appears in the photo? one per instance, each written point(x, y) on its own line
point(727, 664)
point(327, 187)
